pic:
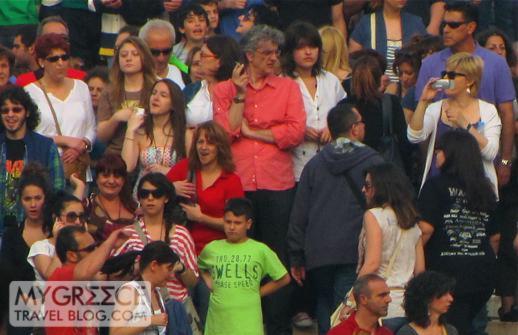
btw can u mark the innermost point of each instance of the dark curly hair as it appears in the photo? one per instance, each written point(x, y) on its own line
point(420, 292)
point(18, 95)
point(35, 174)
point(172, 210)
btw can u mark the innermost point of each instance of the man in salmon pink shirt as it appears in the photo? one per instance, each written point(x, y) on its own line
point(265, 117)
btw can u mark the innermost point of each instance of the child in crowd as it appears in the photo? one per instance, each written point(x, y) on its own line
point(233, 270)
point(211, 8)
point(194, 25)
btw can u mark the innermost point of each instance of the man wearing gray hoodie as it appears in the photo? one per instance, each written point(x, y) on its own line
point(326, 218)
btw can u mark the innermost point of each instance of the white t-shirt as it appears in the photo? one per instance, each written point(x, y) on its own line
point(175, 75)
point(329, 93)
point(43, 247)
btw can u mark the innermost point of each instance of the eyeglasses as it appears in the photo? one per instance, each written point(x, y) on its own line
point(54, 59)
point(157, 52)
point(269, 53)
point(452, 24)
point(249, 17)
point(451, 74)
point(72, 217)
point(16, 109)
point(89, 248)
point(144, 194)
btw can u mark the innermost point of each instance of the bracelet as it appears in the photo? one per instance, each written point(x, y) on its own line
point(468, 127)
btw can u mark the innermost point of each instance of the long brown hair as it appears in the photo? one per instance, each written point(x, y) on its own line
point(117, 76)
point(176, 117)
point(215, 135)
point(392, 187)
point(366, 78)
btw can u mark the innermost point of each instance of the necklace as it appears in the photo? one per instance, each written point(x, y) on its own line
point(155, 149)
point(103, 207)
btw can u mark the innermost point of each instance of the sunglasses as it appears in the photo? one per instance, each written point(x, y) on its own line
point(6, 110)
point(89, 248)
point(144, 194)
point(54, 59)
point(452, 24)
point(157, 52)
point(451, 74)
point(72, 217)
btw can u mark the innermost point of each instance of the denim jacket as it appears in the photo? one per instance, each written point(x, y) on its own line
point(37, 148)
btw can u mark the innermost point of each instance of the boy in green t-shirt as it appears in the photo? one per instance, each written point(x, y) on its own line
point(233, 269)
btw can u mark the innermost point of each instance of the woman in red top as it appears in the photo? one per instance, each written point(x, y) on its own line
point(207, 180)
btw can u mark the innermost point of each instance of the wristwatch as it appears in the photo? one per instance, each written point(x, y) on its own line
point(506, 162)
point(238, 100)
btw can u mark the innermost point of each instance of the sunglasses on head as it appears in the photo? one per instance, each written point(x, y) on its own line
point(157, 52)
point(89, 248)
point(16, 109)
point(451, 74)
point(452, 24)
point(144, 194)
point(72, 217)
point(54, 59)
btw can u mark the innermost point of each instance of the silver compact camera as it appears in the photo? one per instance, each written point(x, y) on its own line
point(443, 84)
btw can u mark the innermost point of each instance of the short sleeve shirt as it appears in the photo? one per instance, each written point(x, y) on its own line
point(236, 271)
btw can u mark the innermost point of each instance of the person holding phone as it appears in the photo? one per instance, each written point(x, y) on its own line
point(206, 180)
point(460, 110)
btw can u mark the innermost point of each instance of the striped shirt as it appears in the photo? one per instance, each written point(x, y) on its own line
point(181, 243)
point(392, 47)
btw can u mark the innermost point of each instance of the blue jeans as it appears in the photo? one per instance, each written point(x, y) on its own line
point(200, 297)
point(330, 284)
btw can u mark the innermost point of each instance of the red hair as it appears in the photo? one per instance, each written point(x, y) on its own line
point(47, 42)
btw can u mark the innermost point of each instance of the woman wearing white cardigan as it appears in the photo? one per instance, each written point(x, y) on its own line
point(460, 110)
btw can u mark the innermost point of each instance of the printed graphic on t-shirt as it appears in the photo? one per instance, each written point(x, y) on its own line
point(236, 271)
point(13, 171)
point(465, 229)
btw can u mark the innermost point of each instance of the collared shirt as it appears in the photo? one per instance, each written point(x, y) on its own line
point(329, 92)
point(211, 199)
point(276, 106)
point(351, 327)
point(199, 109)
point(496, 85)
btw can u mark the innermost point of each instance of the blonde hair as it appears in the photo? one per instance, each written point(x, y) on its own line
point(471, 66)
point(335, 55)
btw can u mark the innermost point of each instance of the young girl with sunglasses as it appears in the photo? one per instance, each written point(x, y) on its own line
point(158, 223)
point(461, 110)
point(64, 210)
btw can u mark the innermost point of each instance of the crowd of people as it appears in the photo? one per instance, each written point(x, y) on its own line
point(347, 165)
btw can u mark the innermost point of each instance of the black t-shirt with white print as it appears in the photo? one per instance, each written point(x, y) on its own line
point(459, 245)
